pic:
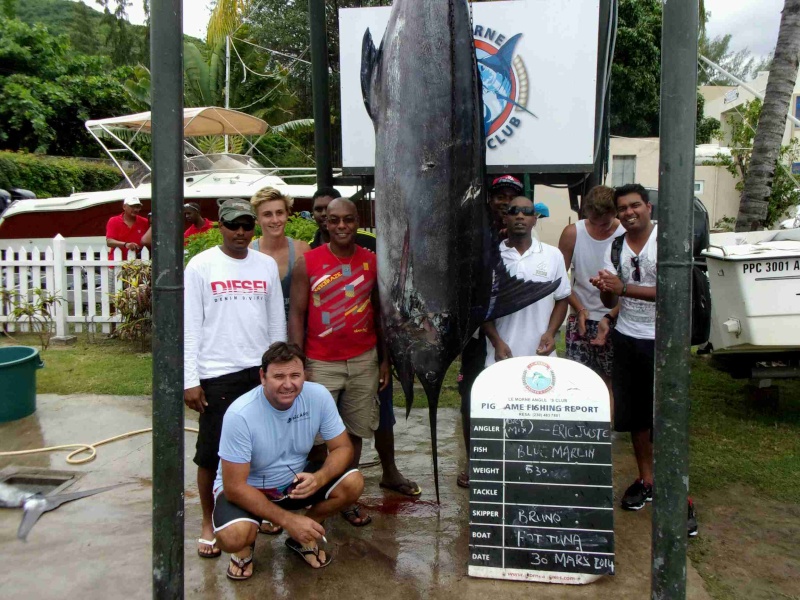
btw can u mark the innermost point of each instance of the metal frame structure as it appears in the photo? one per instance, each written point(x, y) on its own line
point(166, 66)
point(678, 89)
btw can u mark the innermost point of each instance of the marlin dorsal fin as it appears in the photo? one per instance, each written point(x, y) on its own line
point(370, 59)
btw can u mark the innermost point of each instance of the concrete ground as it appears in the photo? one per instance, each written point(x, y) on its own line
point(100, 547)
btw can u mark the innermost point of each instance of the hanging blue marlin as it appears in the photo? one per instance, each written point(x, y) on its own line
point(440, 274)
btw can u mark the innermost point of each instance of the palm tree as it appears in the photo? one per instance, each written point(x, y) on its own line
point(226, 17)
point(772, 124)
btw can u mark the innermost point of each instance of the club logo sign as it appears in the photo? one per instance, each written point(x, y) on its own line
point(505, 85)
point(538, 378)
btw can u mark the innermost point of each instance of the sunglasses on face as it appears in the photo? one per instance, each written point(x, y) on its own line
point(348, 220)
point(247, 225)
point(528, 211)
point(637, 274)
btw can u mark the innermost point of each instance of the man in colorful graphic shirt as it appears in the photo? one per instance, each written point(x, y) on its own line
point(334, 317)
point(392, 479)
point(233, 307)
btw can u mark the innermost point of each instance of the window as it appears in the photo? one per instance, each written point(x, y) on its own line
point(699, 187)
point(623, 170)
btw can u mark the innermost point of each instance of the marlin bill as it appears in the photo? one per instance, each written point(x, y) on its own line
point(440, 273)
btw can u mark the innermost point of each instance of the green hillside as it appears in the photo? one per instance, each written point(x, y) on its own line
point(90, 31)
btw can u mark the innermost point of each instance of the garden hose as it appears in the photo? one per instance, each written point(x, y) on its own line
point(81, 448)
point(92, 448)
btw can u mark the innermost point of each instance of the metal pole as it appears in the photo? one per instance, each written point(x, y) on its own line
point(319, 88)
point(227, 80)
point(673, 303)
point(166, 66)
point(602, 93)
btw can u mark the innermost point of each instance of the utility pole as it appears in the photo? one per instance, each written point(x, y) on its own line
point(319, 88)
point(227, 80)
point(673, 302)
point(166, 66)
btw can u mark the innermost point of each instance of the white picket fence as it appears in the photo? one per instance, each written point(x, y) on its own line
point(83, 276)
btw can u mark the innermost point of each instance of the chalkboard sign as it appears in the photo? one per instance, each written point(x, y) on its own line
point(541, 502)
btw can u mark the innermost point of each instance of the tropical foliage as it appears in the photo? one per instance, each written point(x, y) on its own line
point(91, 32)
point(47, 91)
point(134, 302)
point(255, 88)
point(742, 130)
point(48, 176)
point(741, 63)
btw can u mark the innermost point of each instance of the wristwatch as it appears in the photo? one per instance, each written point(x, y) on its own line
point(610, 318)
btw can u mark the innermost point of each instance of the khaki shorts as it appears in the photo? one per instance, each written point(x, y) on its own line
point(353, 383)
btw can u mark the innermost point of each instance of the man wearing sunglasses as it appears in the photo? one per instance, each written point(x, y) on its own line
point(334, 316)
point(627, 284)
point(233, 310)
point(532, 330)
point(630, 284)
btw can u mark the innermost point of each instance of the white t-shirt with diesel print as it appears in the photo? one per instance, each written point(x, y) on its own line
point(637, 318)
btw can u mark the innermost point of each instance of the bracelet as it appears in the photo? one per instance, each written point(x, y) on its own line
point(624, 289)
point(610, 318)
point(586, 310)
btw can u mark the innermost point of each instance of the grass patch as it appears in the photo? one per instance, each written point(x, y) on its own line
point(100, 367)
point(733, 439)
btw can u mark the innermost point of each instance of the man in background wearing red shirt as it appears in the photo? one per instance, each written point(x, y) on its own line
point(125, 231)
point(197, 222)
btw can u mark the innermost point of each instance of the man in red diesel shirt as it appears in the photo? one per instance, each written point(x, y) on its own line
point(197, 222)
point(335, 286)
point(125, 231)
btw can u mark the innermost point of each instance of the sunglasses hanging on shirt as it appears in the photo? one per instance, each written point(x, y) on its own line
point(637, 274)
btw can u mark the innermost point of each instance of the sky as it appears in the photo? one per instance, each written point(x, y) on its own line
point(195, 15)
point(752, 23)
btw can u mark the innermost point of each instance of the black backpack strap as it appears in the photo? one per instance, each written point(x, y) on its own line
point(616, 251)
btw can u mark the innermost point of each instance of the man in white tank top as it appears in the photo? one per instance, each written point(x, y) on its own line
point(584, 244)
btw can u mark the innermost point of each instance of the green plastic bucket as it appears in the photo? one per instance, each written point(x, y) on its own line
point(18, 365)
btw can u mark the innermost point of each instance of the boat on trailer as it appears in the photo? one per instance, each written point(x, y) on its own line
point(207, 176)
point(755, 302)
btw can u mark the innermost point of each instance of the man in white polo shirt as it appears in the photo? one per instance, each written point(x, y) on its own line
point(532, 330)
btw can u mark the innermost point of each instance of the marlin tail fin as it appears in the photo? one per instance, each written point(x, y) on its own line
point(370, 57)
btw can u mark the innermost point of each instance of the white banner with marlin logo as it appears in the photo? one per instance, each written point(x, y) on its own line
point(538, 65)
point(541, 498)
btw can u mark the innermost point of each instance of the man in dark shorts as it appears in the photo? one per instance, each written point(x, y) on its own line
point(233, 308)
point(263, 473)
point(627, 283)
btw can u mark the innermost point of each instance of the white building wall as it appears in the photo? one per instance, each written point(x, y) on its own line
point(718, 192)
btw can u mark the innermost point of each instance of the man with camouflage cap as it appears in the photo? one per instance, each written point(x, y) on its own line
point(233, 312)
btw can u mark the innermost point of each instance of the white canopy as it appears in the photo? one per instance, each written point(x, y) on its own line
point(208, 120)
